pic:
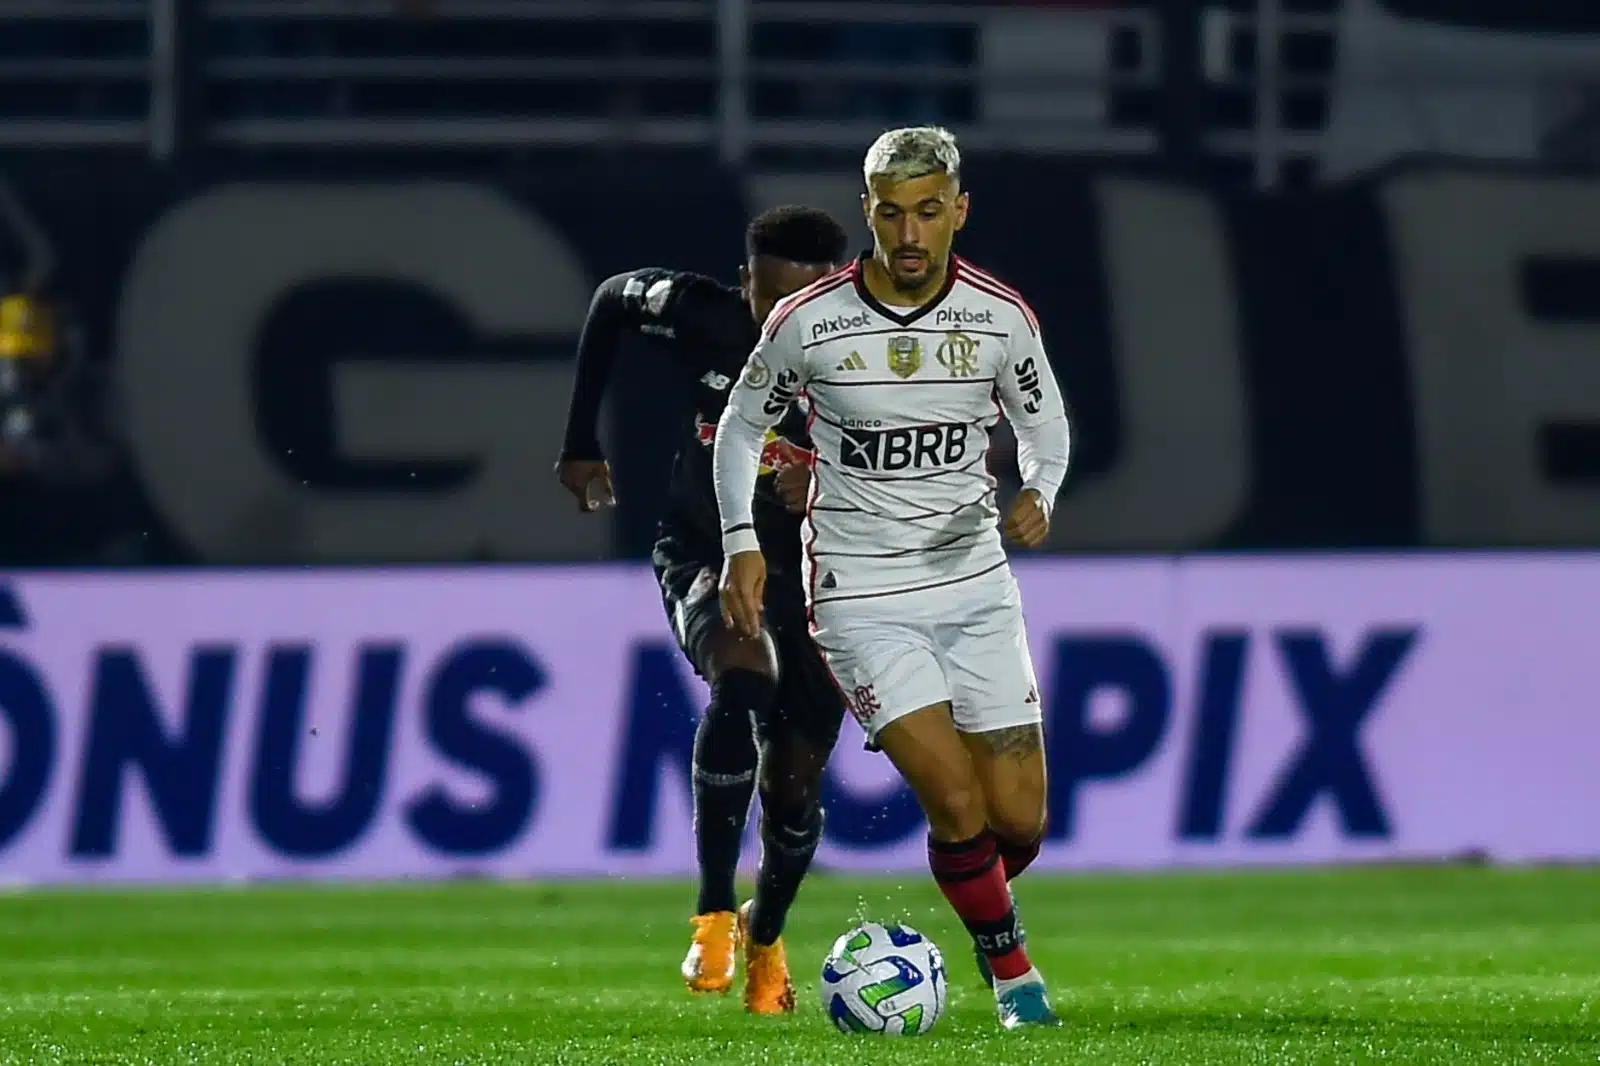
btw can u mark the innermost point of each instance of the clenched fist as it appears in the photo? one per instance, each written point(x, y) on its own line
point(589, 481)
point(1028, 523)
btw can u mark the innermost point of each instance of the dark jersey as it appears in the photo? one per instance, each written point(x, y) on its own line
point(707, 326)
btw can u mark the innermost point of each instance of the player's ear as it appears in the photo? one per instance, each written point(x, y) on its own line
point(866, 208)
point(963, 205)
point(744, 280)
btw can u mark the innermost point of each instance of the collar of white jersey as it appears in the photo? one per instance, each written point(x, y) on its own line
point(902, 316)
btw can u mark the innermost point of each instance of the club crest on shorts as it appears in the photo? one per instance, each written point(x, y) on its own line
point(905, 356)
point(863, 703)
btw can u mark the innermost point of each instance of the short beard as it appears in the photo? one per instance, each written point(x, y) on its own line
point(912, 287)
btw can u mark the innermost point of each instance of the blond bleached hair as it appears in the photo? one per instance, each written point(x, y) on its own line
point(913, 152)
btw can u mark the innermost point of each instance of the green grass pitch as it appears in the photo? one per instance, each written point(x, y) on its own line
point(1446, 966)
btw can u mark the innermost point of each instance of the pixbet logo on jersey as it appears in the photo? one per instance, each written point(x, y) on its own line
point(963, 316)
point(827, 327)
point(911, 448)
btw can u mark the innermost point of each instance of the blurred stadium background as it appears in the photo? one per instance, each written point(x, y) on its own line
point(288, 297)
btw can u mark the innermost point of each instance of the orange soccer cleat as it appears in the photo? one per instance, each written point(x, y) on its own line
point(712, 955)
point(767, 988)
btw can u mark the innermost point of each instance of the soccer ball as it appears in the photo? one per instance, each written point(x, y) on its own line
point(885, 979)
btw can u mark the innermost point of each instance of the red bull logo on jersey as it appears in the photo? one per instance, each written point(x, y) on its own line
point(777, 452)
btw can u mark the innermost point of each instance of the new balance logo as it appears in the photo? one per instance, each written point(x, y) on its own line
point(853, 361)
point(715, 381)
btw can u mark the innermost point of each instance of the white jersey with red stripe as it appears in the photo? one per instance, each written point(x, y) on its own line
point(902, 403)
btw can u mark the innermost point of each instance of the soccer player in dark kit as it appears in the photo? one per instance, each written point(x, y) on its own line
point(772, 696)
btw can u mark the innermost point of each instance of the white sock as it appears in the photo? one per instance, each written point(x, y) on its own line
point(1032, 977)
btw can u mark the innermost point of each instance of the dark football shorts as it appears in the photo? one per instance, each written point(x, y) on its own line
point(808, 699)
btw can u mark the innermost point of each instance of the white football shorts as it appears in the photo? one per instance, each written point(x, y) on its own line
point(965, 643)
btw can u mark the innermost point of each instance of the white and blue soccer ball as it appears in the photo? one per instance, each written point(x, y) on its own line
point(886, 979)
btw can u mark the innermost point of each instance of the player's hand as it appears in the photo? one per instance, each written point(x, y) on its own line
point(1028, 523)
point(589, 481)
point(744, 590)
point(792, 483)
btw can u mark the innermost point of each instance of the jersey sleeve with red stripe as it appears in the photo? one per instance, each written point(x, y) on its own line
point(1029, 395)
point(989, 285)
point(794, 301)
point(772, 379)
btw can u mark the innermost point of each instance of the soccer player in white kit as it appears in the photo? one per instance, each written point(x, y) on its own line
point(908, 357)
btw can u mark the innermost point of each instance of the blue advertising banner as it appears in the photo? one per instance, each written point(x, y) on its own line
point(517, 722)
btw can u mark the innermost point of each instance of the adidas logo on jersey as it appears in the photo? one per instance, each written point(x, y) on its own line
point(829, 581)
point(853, 361)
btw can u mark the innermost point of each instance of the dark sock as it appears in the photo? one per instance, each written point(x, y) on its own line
point(788, 842)
point(1016, 858)
point(724, 780)
point(969, 874)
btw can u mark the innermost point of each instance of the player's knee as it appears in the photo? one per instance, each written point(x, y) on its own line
point(791, 773)
point(787, 788)
point(1018, 824)
point(1018, 813)
point(795, 829)
point(726, 732)
point(955, 812)
point(731, 653)
point(740, 694)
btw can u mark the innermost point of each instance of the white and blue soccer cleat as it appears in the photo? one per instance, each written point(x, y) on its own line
point(1025, 1005)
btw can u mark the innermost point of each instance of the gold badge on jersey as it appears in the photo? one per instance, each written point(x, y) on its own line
point(905, 356)
point(958, 353)
point(757, 375)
